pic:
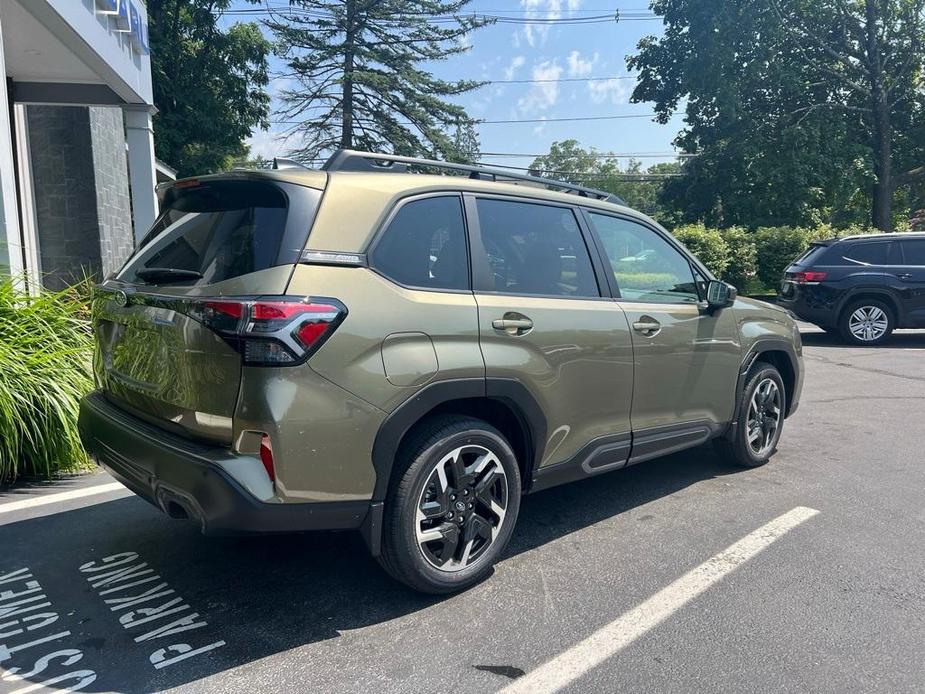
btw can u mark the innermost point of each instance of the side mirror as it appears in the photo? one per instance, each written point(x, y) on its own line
point(720, 294)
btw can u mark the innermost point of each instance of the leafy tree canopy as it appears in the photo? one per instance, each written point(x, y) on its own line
point(802, 111)
point(209, 84)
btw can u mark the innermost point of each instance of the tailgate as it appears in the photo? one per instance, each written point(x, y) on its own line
point(215, 239)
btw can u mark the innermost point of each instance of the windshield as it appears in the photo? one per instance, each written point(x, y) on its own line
point(219, 230)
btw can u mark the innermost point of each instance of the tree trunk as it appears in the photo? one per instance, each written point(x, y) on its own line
point(346, 135)
point(882, 212)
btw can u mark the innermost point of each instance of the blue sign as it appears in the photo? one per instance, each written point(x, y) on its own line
point(129, 20)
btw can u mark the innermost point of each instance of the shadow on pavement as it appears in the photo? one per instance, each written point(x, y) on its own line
point(262, 595)
point(898, 340)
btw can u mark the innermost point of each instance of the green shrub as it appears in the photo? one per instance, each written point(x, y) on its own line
point(776, 248)
point(45, 353)
point(743, 257)
point(707, 244)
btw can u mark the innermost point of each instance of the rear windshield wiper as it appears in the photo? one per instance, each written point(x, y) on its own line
point(152, 274)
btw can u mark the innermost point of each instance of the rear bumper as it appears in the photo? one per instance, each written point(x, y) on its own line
point(186, 479)
point(812, 303)
point(822, 316)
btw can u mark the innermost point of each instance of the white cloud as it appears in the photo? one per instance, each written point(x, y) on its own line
point(581, 67)
point(267, 144)
point(516, 64)
point(541, 128)
point(542, 95)
point(536, 32)
point(614, 91)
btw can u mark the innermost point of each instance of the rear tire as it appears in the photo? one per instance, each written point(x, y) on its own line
point(866, 323)
point(760, 422)
point(457, 483)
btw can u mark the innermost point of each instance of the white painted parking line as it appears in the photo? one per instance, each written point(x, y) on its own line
point(46, 499)
point(625, 629)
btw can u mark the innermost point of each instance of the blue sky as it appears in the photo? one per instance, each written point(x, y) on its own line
point(549, 52)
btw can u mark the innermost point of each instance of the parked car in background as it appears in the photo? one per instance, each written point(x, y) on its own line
point(409, 354)
point(860, 287)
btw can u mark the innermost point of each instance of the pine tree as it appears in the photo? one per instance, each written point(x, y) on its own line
point(357, 78)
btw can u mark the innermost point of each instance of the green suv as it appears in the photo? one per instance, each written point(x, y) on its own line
point(378, 346)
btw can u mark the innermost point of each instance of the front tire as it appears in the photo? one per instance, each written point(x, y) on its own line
point(452, 505)
point(760, 421)
point(866, 323)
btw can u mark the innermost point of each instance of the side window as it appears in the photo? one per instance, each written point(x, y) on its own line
point(869, 253)
point(646, 267)
point(535, 249)
point(914, 252)
point(425, 245)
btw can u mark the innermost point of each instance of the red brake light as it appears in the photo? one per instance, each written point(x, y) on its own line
point(804, 277)
point(310, 332)
point(270, 333)
point(264, 310)
point(229, 308)
point(266, 456)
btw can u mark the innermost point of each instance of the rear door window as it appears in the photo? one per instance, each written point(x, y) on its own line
point(914, 252)
point(425, 245)
point(535, 249)
point(868, 253)
point(224, 229)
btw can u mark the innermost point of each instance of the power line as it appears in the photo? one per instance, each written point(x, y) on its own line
point(505, 121)
point(596, 155)
point(563, 79)
point(303, 12)
point(586, 176)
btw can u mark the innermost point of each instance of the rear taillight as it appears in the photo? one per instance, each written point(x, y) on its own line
point(266, 457)
point(270, 331)
point(805, 277)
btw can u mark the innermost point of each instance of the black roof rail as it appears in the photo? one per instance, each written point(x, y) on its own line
point(352, 160)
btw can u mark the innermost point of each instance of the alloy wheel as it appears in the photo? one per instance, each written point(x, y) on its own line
point(764, 415)
point(868, 323)
point(461, 508)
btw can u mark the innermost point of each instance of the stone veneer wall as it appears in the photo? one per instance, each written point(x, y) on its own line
point(113, 201)
point(80, 182)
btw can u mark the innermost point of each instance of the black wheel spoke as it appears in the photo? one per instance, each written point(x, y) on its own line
point(450, 542)
point(483, 488)
point(477, 528)
point(434, 509)
point(461, 477)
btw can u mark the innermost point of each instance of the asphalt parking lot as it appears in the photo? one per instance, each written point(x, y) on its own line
point(836, 603)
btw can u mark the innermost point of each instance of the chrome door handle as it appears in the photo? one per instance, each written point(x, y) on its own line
point(647, 327)
point(905, 276)
point(513, 323)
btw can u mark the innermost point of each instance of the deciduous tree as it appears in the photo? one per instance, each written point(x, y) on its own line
point(209, 84)
point(801, 109)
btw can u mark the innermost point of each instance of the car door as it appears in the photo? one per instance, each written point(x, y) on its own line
point(544, 323)
point(687, 357)
point(912, 278)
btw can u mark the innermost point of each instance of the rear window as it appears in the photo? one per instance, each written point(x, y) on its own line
point(425, 245)
point(224, 229)
point(811, 255)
